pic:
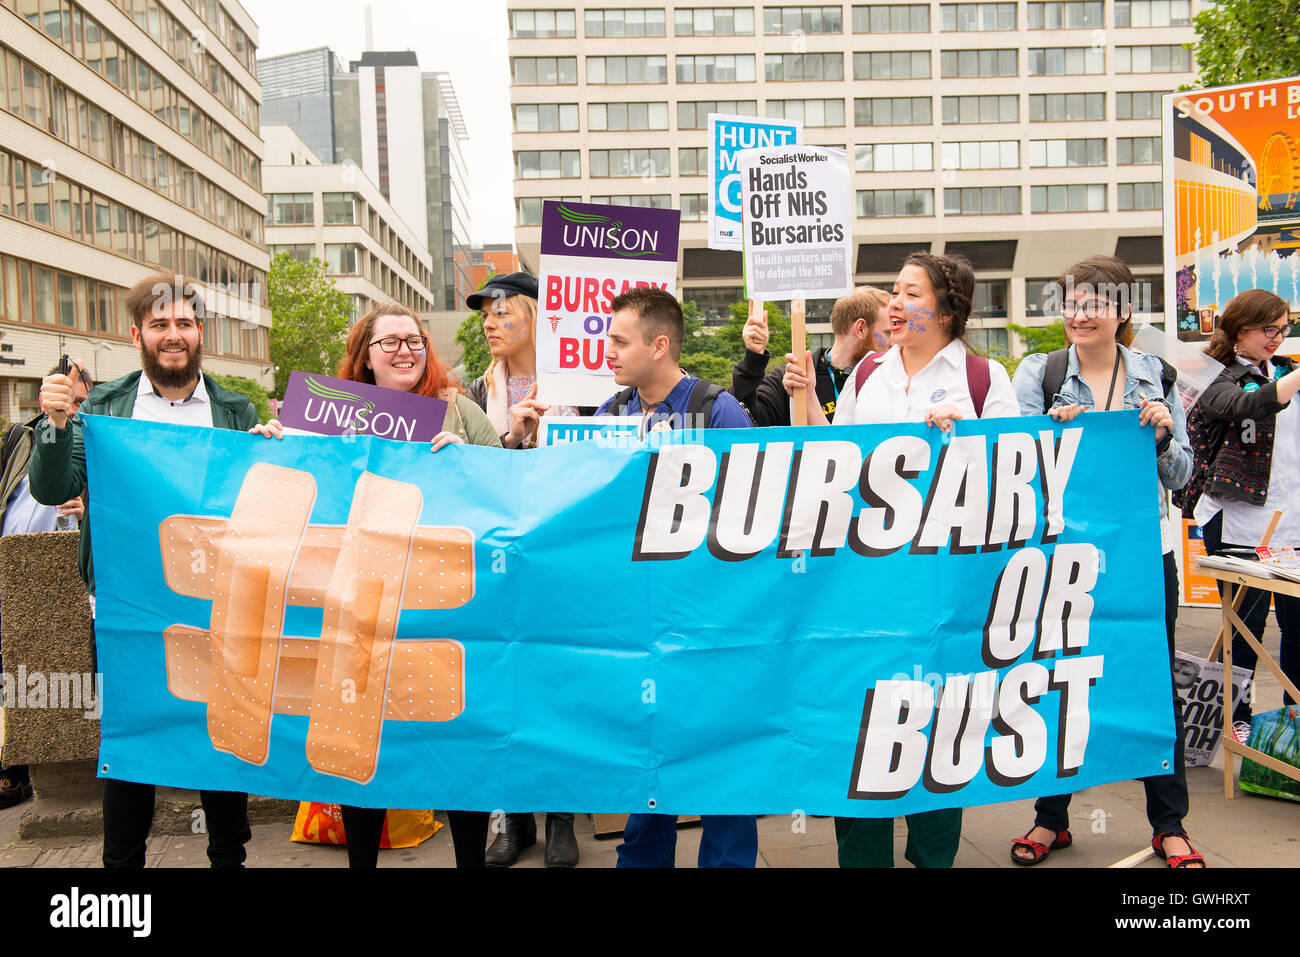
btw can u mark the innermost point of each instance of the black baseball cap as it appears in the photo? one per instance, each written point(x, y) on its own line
point(498, 287)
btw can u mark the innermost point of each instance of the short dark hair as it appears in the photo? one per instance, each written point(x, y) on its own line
point(659, 314)
point(1110, 278)
point(159, 291)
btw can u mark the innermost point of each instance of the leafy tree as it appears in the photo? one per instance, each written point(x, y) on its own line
point(711, 368)
point(1245, 40)
point(474, 348)
point(256, 393)
point(710, 351)
point(1041, 338)
point(309, 318)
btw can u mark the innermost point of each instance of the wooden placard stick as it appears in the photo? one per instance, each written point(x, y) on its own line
point(799, 409)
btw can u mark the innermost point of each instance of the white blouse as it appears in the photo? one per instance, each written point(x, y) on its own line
point(889, 397)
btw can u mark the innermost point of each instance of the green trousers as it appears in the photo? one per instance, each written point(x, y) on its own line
point(932, 838)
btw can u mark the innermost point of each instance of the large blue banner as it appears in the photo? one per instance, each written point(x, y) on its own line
point(860, 620)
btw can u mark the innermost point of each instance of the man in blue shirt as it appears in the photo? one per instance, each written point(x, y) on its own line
point(645, 346)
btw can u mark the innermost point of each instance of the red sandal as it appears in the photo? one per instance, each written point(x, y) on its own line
point(1181, 860)
point(1040, 851)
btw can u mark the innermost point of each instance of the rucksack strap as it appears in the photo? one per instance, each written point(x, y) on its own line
point(1168, 376)
point(703, 395)
point(12, 437)
point(1054, 375)
point(978, 380)
point(867, 366)
point(621, 401)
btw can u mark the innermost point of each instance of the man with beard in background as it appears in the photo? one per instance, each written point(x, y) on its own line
point(166, 313)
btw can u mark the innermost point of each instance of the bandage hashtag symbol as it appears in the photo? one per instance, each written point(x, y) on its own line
point(266, 557)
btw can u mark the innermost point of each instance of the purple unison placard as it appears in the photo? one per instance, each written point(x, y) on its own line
point(609, 232)
point(326, 406)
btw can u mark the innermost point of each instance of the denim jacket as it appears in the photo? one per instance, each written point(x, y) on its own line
point(1142, 381)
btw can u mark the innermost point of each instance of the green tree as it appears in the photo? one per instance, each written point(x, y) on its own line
point(1041, 338)
point(1239, 41)
point(474, 348)
point(258, 395)
point(709, 352)
point(309, 318)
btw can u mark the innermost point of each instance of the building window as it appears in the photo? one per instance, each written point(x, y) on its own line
point(803, 20)
point(694, 207)
point(647, 162)
point(530, 208)
point(627, 116)
point(545, 70)
point(1153, 13)
point(810, 112)
point(890, 203)
point(981, 201)
point(893, 65)
point(893, 157)
point(627, 69)
point(340, 208)
point(301, 252)
point(289, 209)
point(1137, 150)
point(693, 161)
point(694, 114)
point(546, 117)
point(982, 154)
point(989, 342)
point(651, 201)
point(713, 68)
point(548, 164)
point(1075, 198)
point(892, 18)
point(1073, 15)
point(1087, 152)
point(344, 259)
point(623, 23)
point(527, 24)
point(803, 66)
point(1153, 59)
point(892, 111)
point(964, 17)
point(1138, 105)
point(714, 22)
point(1138, 196)
point(1066, 61)
point(976, 63)
point(981, 109)
point(1059, 107)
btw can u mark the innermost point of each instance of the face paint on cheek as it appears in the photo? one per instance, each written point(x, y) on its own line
point(882, 340)
point(918, 317)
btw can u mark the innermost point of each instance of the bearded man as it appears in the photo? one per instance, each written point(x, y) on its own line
point(166, 325)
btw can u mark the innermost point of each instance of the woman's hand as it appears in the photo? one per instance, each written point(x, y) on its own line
point(1065, 413)
point(943, 415)
point(524, 419)
point(271, 430)
point(1156, 413)
point(445, 438)
point(72, 507)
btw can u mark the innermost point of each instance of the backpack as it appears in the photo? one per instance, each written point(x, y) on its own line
point(1059, 360)
point(977, 377)
point(703, 396)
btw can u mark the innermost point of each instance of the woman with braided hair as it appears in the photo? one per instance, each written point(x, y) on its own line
point(926, 375)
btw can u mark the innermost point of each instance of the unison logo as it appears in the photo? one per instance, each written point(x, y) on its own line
point(602, 232)
point(347, 410)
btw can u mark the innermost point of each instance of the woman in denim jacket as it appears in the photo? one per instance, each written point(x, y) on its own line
point(1102, 374)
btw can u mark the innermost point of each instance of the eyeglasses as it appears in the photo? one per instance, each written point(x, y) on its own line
point(1276, 332)
point(393, 343)
point(1090, 309)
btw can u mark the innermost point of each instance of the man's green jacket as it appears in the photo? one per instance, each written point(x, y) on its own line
point(58, 467)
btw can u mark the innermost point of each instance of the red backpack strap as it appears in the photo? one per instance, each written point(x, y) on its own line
point(978, 379)
point(867, 366)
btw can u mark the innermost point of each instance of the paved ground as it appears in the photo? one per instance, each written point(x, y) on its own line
point(1109, 823)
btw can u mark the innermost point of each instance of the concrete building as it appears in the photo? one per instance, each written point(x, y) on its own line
point(335, 213)
point(403, 128)
point(490, 260)
point(128, 144)
point(1025, 135)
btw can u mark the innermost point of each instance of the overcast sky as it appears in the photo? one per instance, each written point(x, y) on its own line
point(466, 39)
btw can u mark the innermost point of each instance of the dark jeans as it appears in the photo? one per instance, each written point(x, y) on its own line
point(364, 828)
point(1166, 793)
point(1254, 614)
point(650, 840)
point(932, 839)
point(128, 815)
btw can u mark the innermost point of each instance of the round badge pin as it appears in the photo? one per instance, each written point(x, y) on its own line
point(938, 394)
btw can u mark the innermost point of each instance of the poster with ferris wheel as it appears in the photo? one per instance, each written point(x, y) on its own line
point(1232, 201)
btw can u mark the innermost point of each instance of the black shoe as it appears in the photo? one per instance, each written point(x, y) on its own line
point(561, 845)
point(13, 791)
point(519, 834)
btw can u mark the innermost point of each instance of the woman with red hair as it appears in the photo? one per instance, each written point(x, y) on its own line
point(388, 348)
